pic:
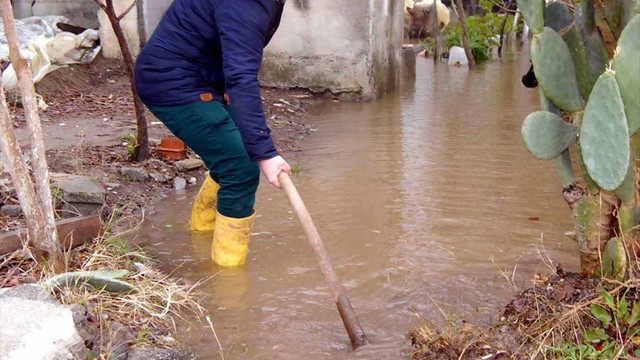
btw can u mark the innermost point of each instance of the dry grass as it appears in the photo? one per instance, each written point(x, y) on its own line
point(150, 312)
point(555, 311)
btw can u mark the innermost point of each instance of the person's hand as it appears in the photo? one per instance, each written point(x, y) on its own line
point(271, 168)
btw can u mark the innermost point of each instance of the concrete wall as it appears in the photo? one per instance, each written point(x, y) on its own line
point(386, 42)
point(337, 45)
point(154, 10)
point(350, 46)
point(82, 12)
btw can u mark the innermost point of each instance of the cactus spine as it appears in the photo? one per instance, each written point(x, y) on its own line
point(588, 65)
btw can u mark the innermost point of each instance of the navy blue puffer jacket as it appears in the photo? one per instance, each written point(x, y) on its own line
point(209, 46)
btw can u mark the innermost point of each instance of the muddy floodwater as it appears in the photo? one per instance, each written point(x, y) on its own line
point(421, 198)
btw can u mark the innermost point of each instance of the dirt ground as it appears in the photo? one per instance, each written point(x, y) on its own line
point(554, 311)
point(90, 112)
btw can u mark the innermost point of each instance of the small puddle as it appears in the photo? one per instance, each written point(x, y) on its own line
point(420, 198)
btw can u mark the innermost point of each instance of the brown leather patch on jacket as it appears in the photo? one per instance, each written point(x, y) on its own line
point(206, 97)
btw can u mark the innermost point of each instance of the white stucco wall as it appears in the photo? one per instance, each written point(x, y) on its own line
point(337, 45)
point(154, 10)
point(129, 24)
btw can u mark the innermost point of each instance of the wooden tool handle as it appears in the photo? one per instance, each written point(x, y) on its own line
point(351, 323)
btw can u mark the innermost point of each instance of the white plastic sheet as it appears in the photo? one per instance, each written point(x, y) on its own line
point(47, 47)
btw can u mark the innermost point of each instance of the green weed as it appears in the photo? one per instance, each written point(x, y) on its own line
point(618, 333)
point(297, 167)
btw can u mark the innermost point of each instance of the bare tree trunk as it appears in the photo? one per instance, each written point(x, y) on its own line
point(142, 152)
point(44, 235)
point(466, 42)
point(435, 32)
point(504, 23)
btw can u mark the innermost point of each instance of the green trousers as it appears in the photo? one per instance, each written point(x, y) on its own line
point(208, 128)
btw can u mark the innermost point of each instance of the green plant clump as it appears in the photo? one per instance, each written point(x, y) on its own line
point(616, 334)
point(483, 33)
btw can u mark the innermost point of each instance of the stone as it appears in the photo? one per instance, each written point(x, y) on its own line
point(154, 142)
point(158, 177)
point(78, 189)
point(11, 210)
point(28, 292)
point(179, 183)
point(35, 327)
point(188, 164)
point(116, 341)
point(68, 210)
point(80, 318)
point(146, 352)
point(112, 186)
point(134, 174)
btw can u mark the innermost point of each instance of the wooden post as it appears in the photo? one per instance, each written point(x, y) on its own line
point(349, 319)
point(44, 236)
point(466, 41)
point(504, 23)
point(435, 32)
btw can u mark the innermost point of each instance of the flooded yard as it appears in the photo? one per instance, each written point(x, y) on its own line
point(424, 199)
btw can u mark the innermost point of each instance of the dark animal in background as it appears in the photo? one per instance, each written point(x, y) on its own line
point(529, 79)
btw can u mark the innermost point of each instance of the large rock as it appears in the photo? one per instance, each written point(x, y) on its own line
point(79, 195)
point(78, 189)
point(34, 326)
point(188, 164)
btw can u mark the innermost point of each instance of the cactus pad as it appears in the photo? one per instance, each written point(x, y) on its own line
point(626, 65)
point(554, 69)
point(533, 12)
point(614, 260)
point(103, 280)
point(604, 135)
point(558, 17)
point(627, 190)
point(546, 135)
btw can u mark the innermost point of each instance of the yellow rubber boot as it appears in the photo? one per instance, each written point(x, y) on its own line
point(231, 240)
point(203, 214)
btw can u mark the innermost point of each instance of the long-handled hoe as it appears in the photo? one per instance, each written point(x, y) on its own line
point(351, 323)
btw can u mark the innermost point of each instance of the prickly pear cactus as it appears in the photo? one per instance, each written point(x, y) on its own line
point(554, 69)
point(604, 135)
point(591, 98)
point(546, 135)
point(626, 66)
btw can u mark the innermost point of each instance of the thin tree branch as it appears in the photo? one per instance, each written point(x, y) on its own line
point(102, 6)
point(128, 10)
point(502, 7)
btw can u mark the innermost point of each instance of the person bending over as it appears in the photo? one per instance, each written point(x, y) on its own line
point(198, 74)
